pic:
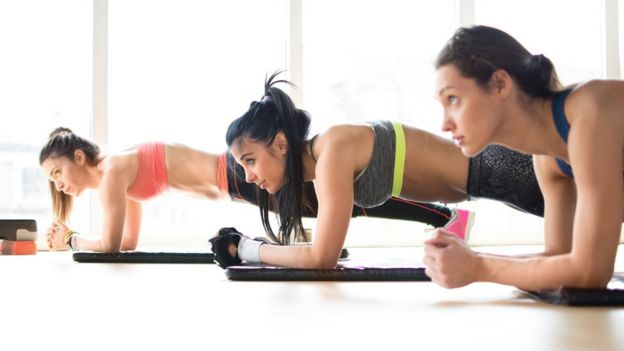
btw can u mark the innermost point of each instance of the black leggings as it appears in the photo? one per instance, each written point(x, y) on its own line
point(497, 173)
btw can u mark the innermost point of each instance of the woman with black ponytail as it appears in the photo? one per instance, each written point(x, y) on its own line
point(366, 165)
point(494, 91)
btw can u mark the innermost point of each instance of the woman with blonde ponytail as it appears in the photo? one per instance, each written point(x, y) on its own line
point(74, 164)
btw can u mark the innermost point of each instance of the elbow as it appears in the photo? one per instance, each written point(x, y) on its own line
point(327, 264)
point(129, 245)
point(110, 247)
point(322, 261)
point(592, 277)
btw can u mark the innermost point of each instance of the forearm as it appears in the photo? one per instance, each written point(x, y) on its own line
point(96, 245)
point(297, 256)
point(533, 273)
point(524, 255)
point(86, 244)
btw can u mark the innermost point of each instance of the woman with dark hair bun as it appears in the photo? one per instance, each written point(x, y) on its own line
point(494, 91)
point(365, 165)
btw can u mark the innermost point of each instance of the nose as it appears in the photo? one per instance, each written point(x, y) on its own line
point(250, 177)
point(59, 185)
point(447, 123)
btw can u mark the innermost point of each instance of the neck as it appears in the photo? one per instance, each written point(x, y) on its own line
point(531, 129)
point(309, 164)
point(95, 174)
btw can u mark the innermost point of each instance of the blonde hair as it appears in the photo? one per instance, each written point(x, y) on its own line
point(63, 142)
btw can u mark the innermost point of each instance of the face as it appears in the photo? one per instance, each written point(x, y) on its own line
point(68, 176)
point(264, 165)
point(470, 112)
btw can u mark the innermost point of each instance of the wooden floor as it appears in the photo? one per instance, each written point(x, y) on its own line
point(51, 302)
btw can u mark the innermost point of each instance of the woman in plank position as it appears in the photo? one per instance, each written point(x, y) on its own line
point(494, 91)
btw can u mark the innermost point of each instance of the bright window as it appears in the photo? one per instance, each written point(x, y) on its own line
point(46, 83)
point(570, 33)
point(183, 75)
point(367, 60)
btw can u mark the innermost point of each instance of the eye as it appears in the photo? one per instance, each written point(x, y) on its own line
point(250, 161)
point(451, 99)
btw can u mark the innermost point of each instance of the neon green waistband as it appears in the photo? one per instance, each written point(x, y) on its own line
point(399, 159)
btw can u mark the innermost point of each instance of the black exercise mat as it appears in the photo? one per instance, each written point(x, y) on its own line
point(143, 257)
point(613, 295)
point(347, 270)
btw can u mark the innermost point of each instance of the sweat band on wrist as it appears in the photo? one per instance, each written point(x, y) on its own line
point(73, 245)
point(249, 250)
point(67, 236)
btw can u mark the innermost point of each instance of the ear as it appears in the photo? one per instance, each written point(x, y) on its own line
point(280, 143)
point(80, 157)
point(501, 83)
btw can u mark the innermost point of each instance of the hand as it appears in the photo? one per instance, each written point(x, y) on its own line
point(450, 263)
point(225, 246)
point(55, 236)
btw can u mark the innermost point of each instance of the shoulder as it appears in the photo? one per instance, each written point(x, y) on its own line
point(596, 106)
point(121, 164)
point(345, 134)
point(596, 96)
point(348, 144)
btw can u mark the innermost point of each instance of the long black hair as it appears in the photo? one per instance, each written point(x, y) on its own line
point(274, 113)
point(479, 51)
point(62, 142)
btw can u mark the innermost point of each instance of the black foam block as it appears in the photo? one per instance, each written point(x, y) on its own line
point(18, 229)
point(143, 257)
point(613, 295)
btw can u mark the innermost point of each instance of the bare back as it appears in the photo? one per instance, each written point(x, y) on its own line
point(192, 170)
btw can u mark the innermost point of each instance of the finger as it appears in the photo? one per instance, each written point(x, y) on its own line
point(441, 239)
point(429, 261)
point(432, 248)
point(439, 232)
point(430, 272)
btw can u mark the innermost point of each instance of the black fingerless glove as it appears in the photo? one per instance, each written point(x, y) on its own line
point(220, 245)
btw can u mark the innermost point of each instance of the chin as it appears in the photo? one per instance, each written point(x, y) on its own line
point(469, 151)
point(274, 191)
point(271, 190)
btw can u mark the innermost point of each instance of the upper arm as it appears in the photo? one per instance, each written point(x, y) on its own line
point(113, 191)
point(559, 205)
point(132, 225)
point(334, 189)
point(595, 150)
